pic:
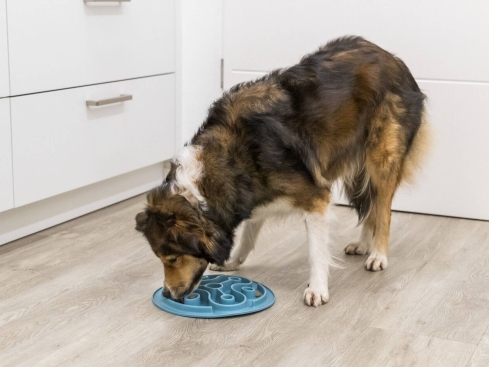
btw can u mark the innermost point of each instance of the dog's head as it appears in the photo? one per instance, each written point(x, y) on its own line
point(182, 238)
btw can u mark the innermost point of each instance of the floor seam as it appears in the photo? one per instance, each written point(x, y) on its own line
point(335, 363)
point(369, 325)
point(405, 285)
point(476, 346)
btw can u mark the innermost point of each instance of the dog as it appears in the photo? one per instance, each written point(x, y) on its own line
point(350, 112)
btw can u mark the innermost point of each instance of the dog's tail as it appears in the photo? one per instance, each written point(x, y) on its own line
point(418, 152)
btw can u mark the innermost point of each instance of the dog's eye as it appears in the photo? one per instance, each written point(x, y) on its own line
point(173, 260)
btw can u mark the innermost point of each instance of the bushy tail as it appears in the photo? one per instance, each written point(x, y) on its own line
point(418, 151)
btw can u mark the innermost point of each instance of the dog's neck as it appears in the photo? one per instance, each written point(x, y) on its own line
point(188, 174)
point(191, 182)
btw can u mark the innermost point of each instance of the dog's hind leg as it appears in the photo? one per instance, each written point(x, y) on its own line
point(364, 244)
point(384, 159)
point(360, 193)
point(381, 216)
point(243, 245)
point(319, 257)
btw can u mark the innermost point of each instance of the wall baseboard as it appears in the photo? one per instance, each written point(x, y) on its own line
point(25, 220)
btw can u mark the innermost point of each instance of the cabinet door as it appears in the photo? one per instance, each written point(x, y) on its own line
point(58, 44)
point(4, 79)
point(60, 143)
point(6, 189)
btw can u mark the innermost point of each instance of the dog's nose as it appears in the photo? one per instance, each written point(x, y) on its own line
point(166, 293)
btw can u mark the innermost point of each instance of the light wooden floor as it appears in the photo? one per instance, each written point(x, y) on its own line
point(79, 294)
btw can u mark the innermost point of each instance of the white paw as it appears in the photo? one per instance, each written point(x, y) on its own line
point(356, 248)
point(316, 297)
point(229, 266)
point(376, 261)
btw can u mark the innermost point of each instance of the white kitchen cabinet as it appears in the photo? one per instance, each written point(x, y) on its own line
point(436, 39)
point(60, 144)
point(6, 187)
point(62, 44)
point(4, 76)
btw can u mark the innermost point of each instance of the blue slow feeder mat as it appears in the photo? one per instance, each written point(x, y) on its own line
point(219, 296)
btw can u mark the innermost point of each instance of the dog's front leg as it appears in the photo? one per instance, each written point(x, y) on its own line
point(243, 245)
point(319, 259)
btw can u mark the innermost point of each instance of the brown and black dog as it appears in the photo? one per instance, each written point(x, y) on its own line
point(351, 111)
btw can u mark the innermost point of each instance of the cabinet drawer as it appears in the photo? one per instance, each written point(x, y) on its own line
point(60, 144)
point(4, 82)
point(6, 189)
point(58, 44)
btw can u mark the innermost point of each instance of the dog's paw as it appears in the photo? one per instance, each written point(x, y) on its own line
point(316, 297)
point(229, 266)
point(376, 261)
point(356, 248)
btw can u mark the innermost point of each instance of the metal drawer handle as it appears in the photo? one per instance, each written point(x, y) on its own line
point(103, 102)
point(106, 1)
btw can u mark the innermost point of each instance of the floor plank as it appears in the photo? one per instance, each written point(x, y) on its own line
point(480, 358)
point(449, 298)
point(377, 347)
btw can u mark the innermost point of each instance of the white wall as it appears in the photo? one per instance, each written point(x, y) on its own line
point(199, 52)
point(4, 73)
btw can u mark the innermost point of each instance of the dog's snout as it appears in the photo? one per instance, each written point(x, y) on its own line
point(166, 293)
point(176, 294)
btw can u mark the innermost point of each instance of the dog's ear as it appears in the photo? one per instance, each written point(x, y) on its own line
point(141, 221)
point(165, 220)
point(173, 171)
point(216, 245)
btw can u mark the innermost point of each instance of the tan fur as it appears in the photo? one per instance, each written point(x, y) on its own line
point(320, 205)
point(419, 152)
point(387, 164)
point(179, 275)
point(256, 98)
